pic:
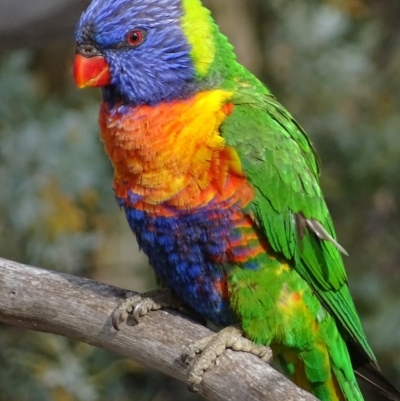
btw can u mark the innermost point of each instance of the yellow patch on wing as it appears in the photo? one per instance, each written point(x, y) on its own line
point(284, 267)
point(197, 25)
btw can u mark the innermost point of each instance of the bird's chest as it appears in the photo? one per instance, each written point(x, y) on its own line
point(170, 153)
point(183, 191)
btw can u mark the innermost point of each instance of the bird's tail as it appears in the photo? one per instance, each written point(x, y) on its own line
point(373, 376)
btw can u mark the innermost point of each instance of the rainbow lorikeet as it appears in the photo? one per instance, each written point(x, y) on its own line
point(220, 185)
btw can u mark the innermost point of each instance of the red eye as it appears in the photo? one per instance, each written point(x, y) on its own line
point(135, 38)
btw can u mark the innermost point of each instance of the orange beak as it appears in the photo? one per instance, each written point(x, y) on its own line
point(91, 71)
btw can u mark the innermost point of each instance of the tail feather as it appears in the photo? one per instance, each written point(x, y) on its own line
point(374, 377)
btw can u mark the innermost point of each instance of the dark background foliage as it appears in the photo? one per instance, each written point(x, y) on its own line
point(335, 64)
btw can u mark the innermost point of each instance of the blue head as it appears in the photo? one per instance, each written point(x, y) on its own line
point(140, 51)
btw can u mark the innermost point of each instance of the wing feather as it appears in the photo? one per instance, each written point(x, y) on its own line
point(281, 164)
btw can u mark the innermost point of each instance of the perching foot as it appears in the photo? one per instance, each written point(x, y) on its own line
point(211, 347)
point(138, 305)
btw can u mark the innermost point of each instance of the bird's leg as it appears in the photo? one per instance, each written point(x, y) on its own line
point(211, 347)
point(138, 305)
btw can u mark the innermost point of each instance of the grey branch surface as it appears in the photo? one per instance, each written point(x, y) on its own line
point(80, 309)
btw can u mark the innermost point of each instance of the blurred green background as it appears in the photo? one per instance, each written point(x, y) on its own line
point(335, 64)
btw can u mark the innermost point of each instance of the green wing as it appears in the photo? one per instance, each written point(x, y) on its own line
point(281, 164)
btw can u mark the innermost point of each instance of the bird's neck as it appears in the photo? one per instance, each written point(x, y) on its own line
point(172, 154)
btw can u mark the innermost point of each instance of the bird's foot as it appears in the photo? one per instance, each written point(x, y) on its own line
point(139, 305)
point(211, 347)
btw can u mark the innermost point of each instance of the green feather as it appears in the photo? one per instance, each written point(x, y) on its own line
point(284, 172)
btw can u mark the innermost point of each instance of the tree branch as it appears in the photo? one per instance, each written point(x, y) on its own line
point(80, 309)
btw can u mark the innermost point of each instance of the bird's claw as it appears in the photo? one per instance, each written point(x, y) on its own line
point(211, 347)
point(138, 305)
point(125, 308)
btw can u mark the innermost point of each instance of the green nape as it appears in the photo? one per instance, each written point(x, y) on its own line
point(213, 56)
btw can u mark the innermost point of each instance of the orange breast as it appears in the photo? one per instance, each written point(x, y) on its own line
point(172, 155)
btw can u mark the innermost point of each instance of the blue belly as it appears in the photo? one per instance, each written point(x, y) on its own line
point(183, 250)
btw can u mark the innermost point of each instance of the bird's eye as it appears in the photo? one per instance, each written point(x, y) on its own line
point(136, 37)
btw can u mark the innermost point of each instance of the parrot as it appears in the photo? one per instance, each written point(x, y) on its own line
point(220, 185)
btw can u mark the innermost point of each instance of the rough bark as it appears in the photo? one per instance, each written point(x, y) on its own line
point(80, 309)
